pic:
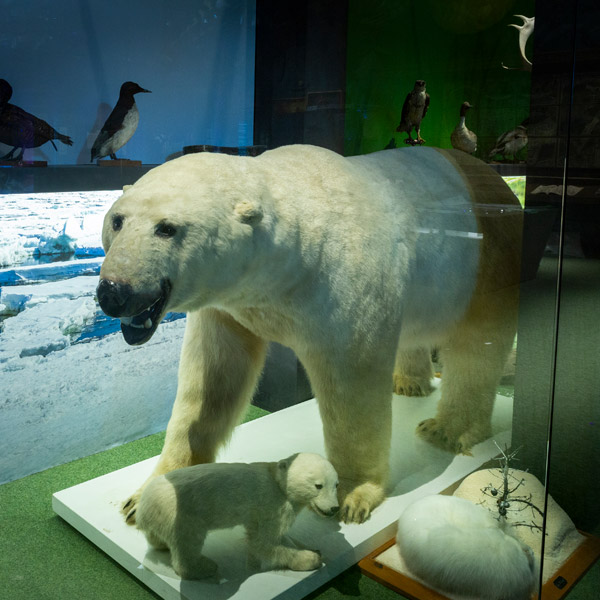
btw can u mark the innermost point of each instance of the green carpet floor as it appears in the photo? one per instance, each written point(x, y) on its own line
point(44, 558)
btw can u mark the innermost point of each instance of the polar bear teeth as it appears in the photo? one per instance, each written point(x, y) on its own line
point(147, 324)
point(136, 320)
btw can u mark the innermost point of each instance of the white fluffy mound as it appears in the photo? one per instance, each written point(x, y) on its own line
point(458, 547)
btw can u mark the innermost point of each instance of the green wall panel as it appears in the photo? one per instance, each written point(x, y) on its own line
point(457, 46)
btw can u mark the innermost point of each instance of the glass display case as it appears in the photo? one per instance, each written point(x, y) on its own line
point(490, 110)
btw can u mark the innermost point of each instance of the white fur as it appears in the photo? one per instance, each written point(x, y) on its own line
point(361, 265)
point(460, 548)
point(178, 509)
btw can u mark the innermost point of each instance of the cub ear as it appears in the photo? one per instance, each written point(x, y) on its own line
point(126, 187)
point(282, 465)
point(248, 212)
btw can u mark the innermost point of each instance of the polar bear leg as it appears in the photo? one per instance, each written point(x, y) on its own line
point(413, 372)
point(355, 404)
point(473, 359)
point(218, 371)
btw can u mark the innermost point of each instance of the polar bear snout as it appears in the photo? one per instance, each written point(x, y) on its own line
point(140, 311)
point(328, 511)
point(113, 296)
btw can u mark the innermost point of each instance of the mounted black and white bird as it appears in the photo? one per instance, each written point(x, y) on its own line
point(414, 110)
point(462, 138)
point(510, 142)
point(121, 123)
point(21, 129)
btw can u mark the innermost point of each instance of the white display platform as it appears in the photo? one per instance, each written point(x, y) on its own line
point(417, 469)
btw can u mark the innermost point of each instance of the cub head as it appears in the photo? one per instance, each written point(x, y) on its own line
point(180, 238)
point(310, 480)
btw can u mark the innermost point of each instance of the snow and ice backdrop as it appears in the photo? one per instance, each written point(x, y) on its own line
point(69, 384)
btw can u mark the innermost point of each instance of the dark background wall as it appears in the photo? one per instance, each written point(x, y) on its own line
point(300, 73)
point(557, 397)
point(67, 60)
point(457, 47)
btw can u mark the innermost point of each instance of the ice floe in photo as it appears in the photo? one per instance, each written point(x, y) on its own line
point(71, 386)
point(53, 224)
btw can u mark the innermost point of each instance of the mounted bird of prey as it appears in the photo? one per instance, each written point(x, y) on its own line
point(413, 112)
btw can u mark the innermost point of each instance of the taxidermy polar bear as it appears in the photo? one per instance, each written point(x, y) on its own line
point(460, 548)
point(177, 510)
point(361, 265)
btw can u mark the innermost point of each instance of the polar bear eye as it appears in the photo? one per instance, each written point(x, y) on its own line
point(165, 230)
point(117, 222)
point(319, 486)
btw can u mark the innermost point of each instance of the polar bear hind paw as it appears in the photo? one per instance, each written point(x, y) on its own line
point(432, 431)
point(412, 386)
point(357, 505)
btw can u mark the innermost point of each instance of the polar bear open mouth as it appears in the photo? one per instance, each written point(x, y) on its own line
point(139, 328)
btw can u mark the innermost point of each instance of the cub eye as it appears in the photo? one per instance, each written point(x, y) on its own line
point(117, 223)
point(319, 486)
point(165, 230)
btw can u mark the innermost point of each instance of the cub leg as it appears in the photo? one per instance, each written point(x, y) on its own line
point(356, 409)
point(265, 547)
point(155, 541)
point(413, 372)
point(186, 556)
point(219, 367)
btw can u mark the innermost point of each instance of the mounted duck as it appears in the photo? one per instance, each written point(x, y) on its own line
point(462, 138)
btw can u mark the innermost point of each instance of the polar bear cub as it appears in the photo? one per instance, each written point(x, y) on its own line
point(178, 509)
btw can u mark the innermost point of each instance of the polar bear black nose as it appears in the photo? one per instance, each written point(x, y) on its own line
point(112, 296)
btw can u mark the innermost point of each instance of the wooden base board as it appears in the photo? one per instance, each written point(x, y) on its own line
point(556, 588)
point(23, 163)
point(120, 162)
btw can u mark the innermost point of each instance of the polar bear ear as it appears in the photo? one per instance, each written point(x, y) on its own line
point(126, 187)
point(248, 212)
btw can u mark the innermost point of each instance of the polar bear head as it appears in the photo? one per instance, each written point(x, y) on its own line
point(179, 239)
point(310, 480)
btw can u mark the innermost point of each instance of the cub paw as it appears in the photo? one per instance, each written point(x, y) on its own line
point(305, 560)
point(412, 386)
point(356, 506)
point(201, 568)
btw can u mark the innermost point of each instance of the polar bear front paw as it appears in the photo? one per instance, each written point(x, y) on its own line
point(412, 386)
point(305, 560)
point(432, 431)
point(357, 505)
point(129, 507)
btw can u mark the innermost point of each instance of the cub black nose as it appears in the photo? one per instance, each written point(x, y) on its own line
point(112, 296)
